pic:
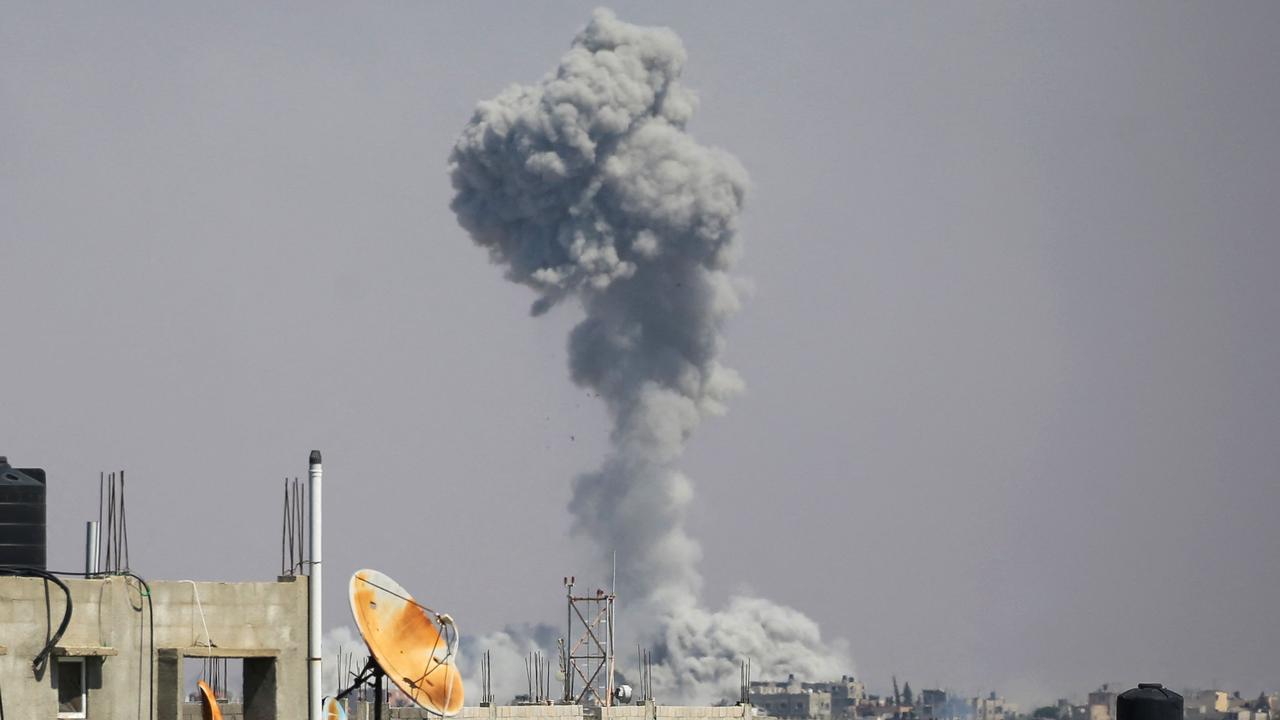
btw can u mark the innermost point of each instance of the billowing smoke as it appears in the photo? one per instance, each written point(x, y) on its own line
point(508, 648)
point(586, 186)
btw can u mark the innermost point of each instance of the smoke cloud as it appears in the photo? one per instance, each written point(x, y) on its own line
point(586, 187)
point(508, 648)
point(342, 652)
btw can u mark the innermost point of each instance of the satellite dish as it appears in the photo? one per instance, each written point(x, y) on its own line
point(208, 703)
point(333, 710)
point(412, 644)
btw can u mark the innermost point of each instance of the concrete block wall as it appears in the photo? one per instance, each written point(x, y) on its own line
point(230, 711)
point(264, 620)
point(679, 712)
point(628, 712)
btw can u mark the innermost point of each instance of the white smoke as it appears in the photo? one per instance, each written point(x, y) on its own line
point(342, 651)
point(587, 186)
point(508, 648)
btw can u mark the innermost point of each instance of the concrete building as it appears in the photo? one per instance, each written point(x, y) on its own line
point(846, 693)
point(993, 707)
point(798, 700)
point(776, 687)
point(876, 707)
point(932, 705)
point(1221, 705)
point(117, 660)
point(803, 705)
point(1070, 711)
point(792, 699)
point(1205, 704)
point(1102, 704)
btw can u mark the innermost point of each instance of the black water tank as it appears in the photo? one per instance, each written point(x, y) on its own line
point(22, 516)
point(1149, 701)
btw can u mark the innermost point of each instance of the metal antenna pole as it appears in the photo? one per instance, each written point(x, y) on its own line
point(314, 606)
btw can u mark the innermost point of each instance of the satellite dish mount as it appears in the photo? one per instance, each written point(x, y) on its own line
point(371, 675)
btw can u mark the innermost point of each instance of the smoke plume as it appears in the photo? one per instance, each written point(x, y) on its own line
point(586, 187)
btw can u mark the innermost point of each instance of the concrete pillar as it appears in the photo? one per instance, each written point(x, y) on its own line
point(169, 681)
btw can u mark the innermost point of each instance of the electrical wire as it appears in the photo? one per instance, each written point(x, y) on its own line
point(151, 617)
point(23, 571)
point(41, 660)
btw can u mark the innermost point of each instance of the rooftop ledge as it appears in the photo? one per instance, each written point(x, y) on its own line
point(84, 651)
point(199, 651)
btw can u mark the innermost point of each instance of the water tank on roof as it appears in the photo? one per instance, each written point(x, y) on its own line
point(22, 516)
point(1149, 701)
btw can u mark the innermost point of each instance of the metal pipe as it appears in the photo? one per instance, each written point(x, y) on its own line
point(314, 585)
point(91, 548)
point(101, 481)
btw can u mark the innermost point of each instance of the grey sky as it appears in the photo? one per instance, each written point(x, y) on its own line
point(1011, 354)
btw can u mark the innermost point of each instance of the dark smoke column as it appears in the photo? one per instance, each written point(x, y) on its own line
point(587, 186)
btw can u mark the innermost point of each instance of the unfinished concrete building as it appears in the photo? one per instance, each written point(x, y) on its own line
point(109, 644)
point(109, 665)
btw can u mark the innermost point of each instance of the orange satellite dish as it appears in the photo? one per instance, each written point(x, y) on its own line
point(412, 644)
point(208, 703)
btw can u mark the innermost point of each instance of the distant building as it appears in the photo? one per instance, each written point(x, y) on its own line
point(1102, 704)
point(792, 699)
point(845, 694)
point(993, 707)
point(874, 707)
point(1069, 711)
point(1205, 704)
point(932, 705)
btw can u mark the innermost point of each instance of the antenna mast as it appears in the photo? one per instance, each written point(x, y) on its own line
point(590, 649)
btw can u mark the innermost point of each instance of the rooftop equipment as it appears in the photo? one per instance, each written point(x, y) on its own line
point(1149, 701)
point(23, 536)
point(209, 709)
point(589, 654)
point(409, 643)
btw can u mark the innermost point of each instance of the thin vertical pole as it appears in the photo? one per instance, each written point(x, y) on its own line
point(314, 596)
point(91, 548)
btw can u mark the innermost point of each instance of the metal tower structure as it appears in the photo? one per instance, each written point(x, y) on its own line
point(589, 657)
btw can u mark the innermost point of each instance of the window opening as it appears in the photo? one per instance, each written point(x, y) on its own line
point(224, 676)
point(73, 697)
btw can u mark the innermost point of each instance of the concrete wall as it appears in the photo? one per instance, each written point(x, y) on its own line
point(649, 711)
point(263, 621)
point(230, 711)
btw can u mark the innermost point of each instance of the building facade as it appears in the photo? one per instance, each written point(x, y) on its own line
point(123, 652)
point(791, 699)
